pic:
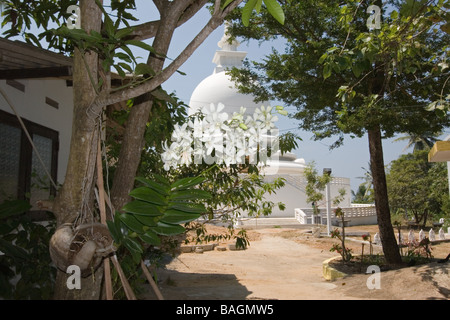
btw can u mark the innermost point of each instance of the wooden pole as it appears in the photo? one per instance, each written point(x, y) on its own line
point(101, 205)
point(151, 281)
point(126, 285)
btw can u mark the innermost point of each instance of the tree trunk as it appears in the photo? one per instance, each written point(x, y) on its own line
point(90, 287)
point(387, 235)
point(133, 141)
point(130, 154)
point(74, 201)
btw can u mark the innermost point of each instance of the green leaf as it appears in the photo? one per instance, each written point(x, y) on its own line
point(129, 52)
point(326, 71)
point(226, 4)
point(134, 247)
point(131, 222)
point(126, 67)
point(258, 6)
point(163, 95)
point(143, 69)
point(181, 72)
point(394, 15)
point(142, 207)
point(123, 33)
point(108, 26)
point(166, 229)
point(190, 194)
point(172, 216)
point(147, 221)
point(151, 238)
point(275, 10)
point(162, 188)
point(186, 183)
point(247, 11)
point(12, 208)
point(187, 207)
point(141, 45)
point(148, 195)
point(356, 69)
point(12, 250)
point(123, 56)
point(120, 71)
point(115, 231)
point(162, 180)
point(322, 58)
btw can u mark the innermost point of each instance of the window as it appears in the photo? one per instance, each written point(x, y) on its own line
point(21, 173)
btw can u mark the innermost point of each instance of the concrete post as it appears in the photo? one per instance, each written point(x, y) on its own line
point(328, 198)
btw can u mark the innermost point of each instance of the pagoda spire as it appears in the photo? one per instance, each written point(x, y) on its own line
point(227, 43)
point(229, 56)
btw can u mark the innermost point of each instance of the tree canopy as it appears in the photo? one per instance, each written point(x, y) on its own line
point(418, 187)
point(347, 76)
point(331, 61)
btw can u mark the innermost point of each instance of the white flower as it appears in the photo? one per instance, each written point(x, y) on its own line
point(198, 138)
point(214, 118)
point(182, 135)
point(213, 140)
point(264, 118)
point(238, 117)
point(169, 152)
point(170, 156)
point(197, 127)
point(269, 121)
point(186, 155)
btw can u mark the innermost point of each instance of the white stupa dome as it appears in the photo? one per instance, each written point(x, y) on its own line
point(218, 87)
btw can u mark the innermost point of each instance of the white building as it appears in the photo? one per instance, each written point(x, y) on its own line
point(219, 88)
point(37, 84)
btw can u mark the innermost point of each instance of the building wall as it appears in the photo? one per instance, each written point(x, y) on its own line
point(293, 194)
point(31, 105)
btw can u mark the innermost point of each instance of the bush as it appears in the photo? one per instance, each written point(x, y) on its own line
point(26, 270)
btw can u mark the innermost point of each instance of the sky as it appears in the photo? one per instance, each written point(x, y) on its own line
point(350, 160)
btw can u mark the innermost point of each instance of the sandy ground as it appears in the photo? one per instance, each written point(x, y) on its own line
point(286, 264)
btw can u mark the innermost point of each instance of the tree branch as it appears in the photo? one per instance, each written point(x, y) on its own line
point(153, 83)
point(148, 30)
point(160, 5)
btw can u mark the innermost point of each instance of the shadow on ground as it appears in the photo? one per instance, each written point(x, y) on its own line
point(176, 285)
point(433, 273)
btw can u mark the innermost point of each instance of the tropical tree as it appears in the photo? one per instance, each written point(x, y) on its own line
point(367, 186)
point(347, 78)
point(417, 186)
point(315, 186)
point(100, 42)
point(419, 142)
point(362, 195)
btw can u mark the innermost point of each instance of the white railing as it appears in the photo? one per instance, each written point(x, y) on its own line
point(301, 216)
point(365, 213)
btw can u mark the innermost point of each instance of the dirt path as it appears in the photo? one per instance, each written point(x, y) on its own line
point(279, 267)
